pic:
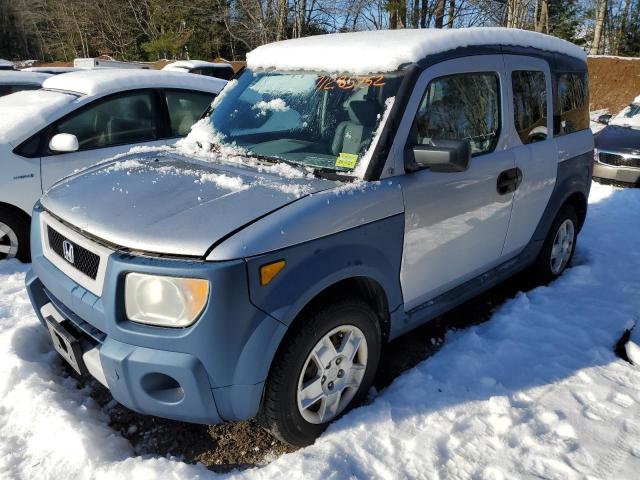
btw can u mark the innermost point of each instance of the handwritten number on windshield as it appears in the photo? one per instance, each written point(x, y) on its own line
point(343, 82)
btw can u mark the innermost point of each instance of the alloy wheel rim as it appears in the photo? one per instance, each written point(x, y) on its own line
point(562, 247)
point(8, 242)
point(332, 374)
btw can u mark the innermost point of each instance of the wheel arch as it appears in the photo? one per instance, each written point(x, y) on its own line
point(579, 202)
point(7, 207)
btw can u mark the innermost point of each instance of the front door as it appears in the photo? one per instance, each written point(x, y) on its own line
point(456, 223)
point(103, 128)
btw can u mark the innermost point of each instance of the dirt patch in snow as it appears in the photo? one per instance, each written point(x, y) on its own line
point(613, 82)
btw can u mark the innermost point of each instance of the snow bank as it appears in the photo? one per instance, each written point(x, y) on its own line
point(535, 392)
point(386, 50)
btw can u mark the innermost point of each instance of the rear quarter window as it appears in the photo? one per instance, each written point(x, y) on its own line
point(530, 105)
point(573, 103)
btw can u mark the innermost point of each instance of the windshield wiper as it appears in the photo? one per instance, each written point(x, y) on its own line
point(317, 172)
point(273, 160)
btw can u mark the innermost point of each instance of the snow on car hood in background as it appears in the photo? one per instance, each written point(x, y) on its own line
point(622, 120)
point(535, 392)
point(166, 203)
point(386, 50)
point(24, 113)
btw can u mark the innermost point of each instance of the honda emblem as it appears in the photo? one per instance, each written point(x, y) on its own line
point(67, 250)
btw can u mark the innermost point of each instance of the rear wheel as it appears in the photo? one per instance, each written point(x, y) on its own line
point(14, 237)
point(559, 246)
point(325, 368)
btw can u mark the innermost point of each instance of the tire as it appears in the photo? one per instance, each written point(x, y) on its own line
point(296, 420)
point(549, 266)
point(14, 237)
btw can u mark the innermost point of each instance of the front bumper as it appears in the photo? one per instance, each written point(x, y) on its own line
point(155, 382)
point(626, 175)
point(210, 372)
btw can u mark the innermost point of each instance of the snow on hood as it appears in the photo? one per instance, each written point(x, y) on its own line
point(628, 116)
point(25, 112)
point(386, 50)
point(154, 198)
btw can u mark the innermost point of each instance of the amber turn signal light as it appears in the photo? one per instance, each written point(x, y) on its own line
point(270, 270)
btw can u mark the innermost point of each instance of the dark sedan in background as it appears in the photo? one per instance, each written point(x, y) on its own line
point(617, 154)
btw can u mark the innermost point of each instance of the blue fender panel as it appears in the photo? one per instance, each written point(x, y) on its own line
point(238, 402)
point(373, 250)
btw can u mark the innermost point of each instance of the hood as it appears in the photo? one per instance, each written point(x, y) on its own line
point(171, 204)
point(618, 139)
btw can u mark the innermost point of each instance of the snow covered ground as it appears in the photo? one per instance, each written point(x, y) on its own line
point(535, 392)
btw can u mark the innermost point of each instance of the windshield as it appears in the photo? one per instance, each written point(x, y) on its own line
point(311, 119)
point(629, 116)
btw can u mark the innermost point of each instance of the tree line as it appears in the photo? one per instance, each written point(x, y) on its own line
point(150, 30)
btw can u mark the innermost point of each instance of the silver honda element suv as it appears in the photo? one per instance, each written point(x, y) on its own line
point(341, 191)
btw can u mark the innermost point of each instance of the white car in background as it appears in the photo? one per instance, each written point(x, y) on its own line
point(12, 81)
point(80, 118)
point(6, 65)
point(209, 69)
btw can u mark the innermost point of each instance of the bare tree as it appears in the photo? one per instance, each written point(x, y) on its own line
point(598, 34)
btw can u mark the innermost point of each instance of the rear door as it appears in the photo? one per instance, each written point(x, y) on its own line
point(104, 128)
point(456, 223)
point(185, 108)
point(530, 121)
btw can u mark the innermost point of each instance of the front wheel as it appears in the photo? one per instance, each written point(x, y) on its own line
point(559, 246)
point(325, 368)
point(14, 237)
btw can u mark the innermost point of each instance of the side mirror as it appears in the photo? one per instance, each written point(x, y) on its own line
point(445, 156)
point(604, 119)
point(64, 143)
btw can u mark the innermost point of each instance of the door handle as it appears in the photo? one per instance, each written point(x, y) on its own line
point(509, 181)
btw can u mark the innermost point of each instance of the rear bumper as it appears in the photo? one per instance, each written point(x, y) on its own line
point(617, 174)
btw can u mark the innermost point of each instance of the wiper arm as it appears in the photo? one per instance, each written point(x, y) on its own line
point(317, 172)
point(274, 160)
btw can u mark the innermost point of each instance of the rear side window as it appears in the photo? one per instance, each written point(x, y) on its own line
point(573, 102)
point(185, 109)
point(116, 121)
point(530, 105)
point(461, 107)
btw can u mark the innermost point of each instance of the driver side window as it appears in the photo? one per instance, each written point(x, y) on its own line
point(461, 107)
point(117, 121)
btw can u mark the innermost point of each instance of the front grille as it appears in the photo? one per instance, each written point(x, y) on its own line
point(618, 160)
point(83, 260)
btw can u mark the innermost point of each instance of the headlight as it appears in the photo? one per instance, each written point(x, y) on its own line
point(164, 301)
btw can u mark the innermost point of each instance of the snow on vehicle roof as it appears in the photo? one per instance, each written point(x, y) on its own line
point(25, 112)
point(187, 64)
point(53, 70)
point(105, 81)
point(386, 50)
point(17, 77)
